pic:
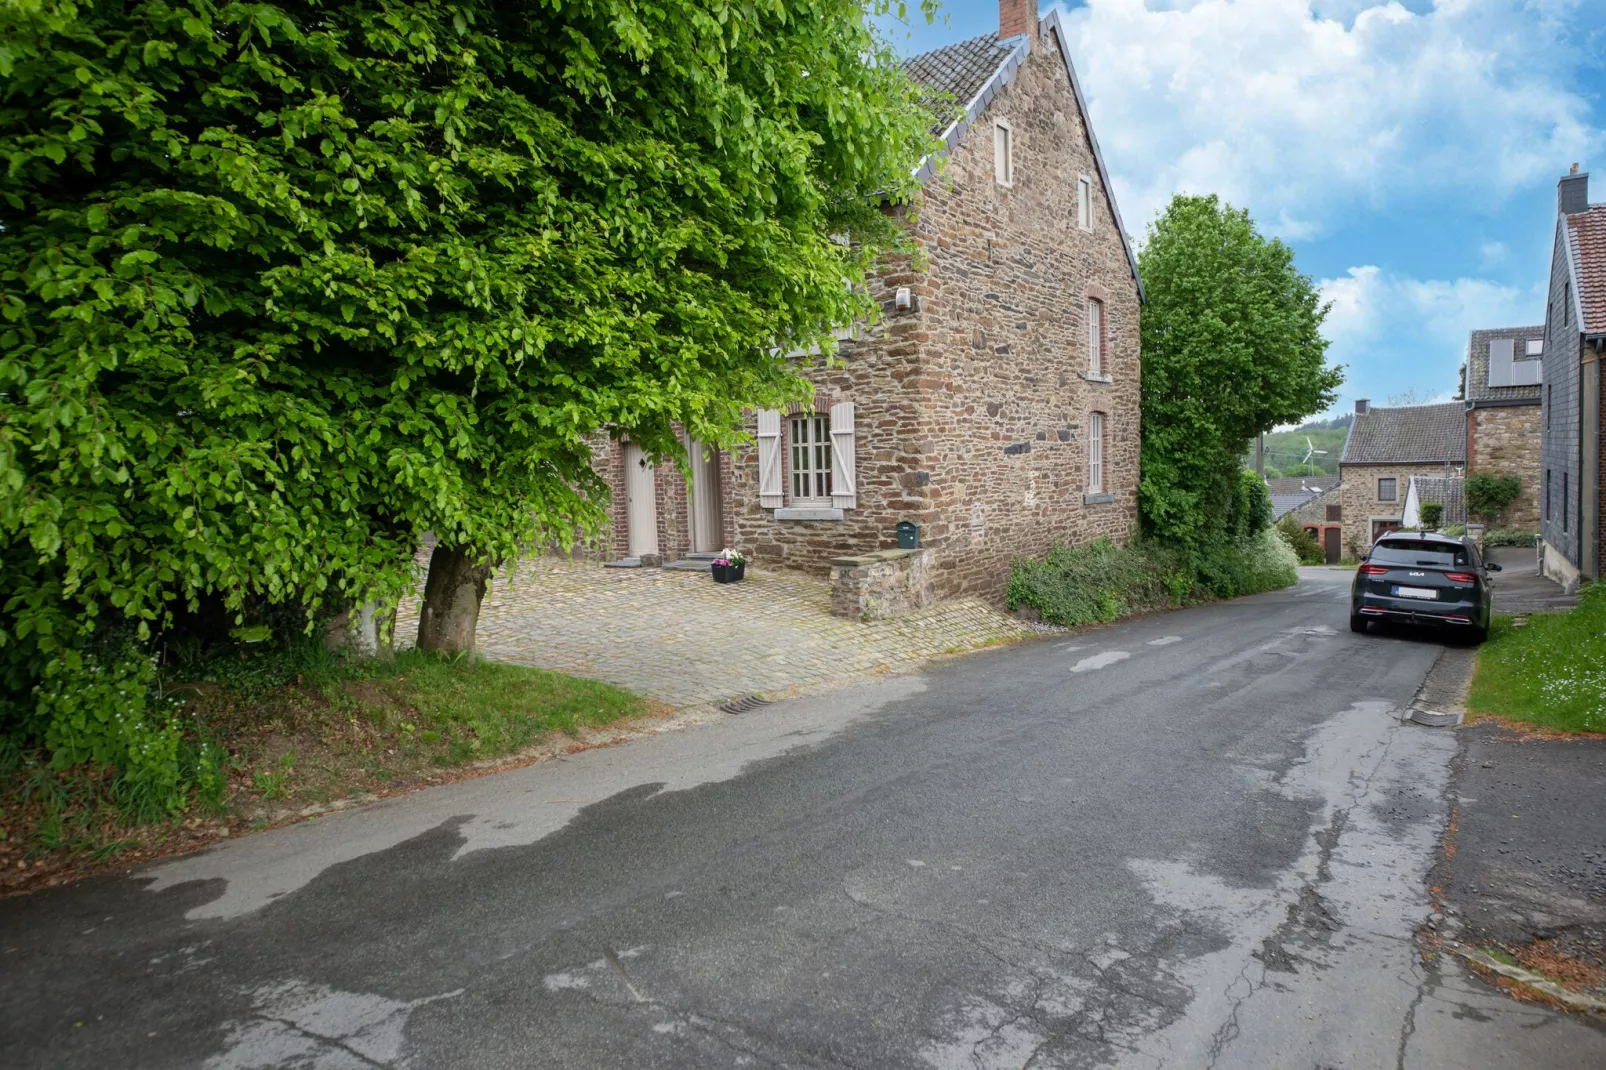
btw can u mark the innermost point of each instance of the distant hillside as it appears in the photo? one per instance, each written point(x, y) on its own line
point(1285, 450)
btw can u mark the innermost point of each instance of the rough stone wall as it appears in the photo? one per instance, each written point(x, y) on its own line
point(888, 583)
point(1005, 352)
point(879, 373)
point(1358, 497)
point(971, 409)
point(1505, 440)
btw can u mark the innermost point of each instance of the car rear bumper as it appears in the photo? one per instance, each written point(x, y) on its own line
point(1411, 611)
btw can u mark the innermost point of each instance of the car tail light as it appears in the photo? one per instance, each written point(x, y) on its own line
point(1374, 570)
point(1460, 577)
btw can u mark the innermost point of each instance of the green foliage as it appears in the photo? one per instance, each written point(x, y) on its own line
point(1549, 672)
point(1251, 510)
point(1248, 565)
point(1502, 537)
point(1302, 542)
point(1231, 349)
point(286, 285)
point(1099, 582)
point(1273, 473)
point(1302, 470)
point(1488, 493)
point(1432, 513)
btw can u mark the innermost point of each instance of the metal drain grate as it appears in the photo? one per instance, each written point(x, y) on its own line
point(744, 704)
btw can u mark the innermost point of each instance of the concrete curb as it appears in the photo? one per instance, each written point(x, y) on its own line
point(1441, 700)
point(1537, 982)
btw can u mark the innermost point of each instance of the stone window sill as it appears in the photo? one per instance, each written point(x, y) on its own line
point(1097, 499)
point(1105, 378)
point(810, 512)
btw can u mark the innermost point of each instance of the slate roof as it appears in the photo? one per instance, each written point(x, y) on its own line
point(1308, 485)
point(961, 70)
point(1586, 250)
point(1283, 504)
point(1478, 388)
point(1412, 434)
point(1446, 490)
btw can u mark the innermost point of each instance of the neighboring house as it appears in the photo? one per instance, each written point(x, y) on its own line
point(995, 405)
point(1384, 449)
point(1570, 498)
point(1290, 492)
point(1445, 490)
point(1323, 516)
point(1502, 391)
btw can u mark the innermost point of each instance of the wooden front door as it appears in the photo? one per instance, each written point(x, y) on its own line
point(707, 533)
point(1334, 551)
point(641, 511)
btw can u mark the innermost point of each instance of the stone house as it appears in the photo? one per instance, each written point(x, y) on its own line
point(1323, 516)
point(1384, 449)
point(1504, 371)
point(994, 406)
point(1570, 496)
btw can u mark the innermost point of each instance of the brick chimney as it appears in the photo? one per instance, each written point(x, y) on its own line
point(1572, 192)
point(1016, 17)
point(1361, 405)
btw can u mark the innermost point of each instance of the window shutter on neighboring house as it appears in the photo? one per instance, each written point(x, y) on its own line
point(769, 459)
point(844, 481)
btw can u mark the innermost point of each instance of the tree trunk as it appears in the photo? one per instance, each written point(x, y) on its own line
point(452, 596)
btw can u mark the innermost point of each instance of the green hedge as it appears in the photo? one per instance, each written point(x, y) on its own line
point(1101, 581)
point(1508, 538)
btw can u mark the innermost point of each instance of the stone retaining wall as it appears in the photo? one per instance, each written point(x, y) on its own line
point(887, 583)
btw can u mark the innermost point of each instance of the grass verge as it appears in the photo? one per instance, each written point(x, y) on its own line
point(1550, 672)
point(302, 732)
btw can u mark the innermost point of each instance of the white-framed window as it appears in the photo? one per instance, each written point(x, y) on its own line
point(1095, 336)
point(1388, 489)
point(1095, 453)
point(810, 440)
point(1003, 152)
point(1084, 202)
point(1535, 347)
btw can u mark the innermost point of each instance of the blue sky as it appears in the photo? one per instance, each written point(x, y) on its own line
point(1408, 151)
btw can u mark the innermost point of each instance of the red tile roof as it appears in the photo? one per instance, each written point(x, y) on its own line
point(1586, 238)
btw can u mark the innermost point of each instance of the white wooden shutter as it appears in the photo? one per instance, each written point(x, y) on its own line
point(770, 494)
point(844, 481)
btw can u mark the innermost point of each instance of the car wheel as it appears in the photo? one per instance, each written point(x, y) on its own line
point(1479, 635)
point(1357, 623)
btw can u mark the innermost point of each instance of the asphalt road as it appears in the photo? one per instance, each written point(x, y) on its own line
point(1195, 840)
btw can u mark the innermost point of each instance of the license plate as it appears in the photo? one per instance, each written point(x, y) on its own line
point(1415, 592)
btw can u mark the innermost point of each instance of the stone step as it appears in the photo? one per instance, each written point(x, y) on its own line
point(690, 564)
point(623, 562)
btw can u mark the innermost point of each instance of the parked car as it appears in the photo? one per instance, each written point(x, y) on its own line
point(1423, 578)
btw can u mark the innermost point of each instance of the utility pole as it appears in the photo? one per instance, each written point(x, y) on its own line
point(1260, 455)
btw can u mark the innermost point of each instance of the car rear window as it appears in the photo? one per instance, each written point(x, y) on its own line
point(1410, 552)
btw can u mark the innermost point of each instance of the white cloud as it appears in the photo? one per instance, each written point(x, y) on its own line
point(1307, 111)
point(1395, 332)
point(1493, 252)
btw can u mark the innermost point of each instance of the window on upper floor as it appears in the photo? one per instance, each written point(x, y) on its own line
point(1084, 202)
point(1003, 152)
point(1548, 400)
point(1388, 489)
point(1097, 363)
point(1566, 303)
point(1535, 347)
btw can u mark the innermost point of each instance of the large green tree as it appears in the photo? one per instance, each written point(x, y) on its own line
point(286, 285)
point(1231, 348)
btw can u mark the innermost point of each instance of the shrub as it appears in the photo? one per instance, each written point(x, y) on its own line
point(1432, 513)
point(1501, 537)
point(1101, 581)
point(1262, 562)
point(1302, 542)
point(1489, 493)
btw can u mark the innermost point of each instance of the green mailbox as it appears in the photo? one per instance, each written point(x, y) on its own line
point(908, 536)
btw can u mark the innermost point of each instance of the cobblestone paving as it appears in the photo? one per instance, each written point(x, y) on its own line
point(684, 639)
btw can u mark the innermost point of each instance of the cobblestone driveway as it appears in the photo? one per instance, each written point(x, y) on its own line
point(684, 639)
